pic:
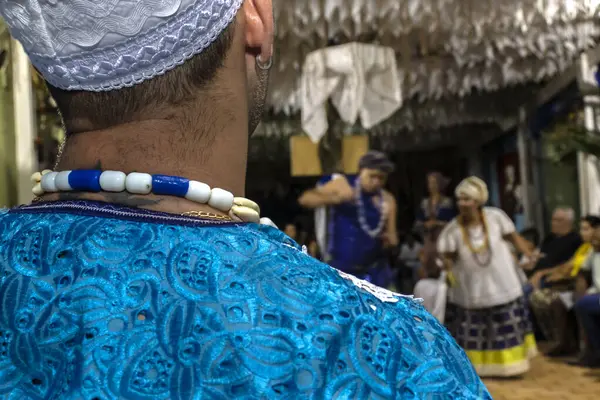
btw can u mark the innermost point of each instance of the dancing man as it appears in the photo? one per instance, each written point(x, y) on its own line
point(361, 219)
point(135, 277)
point(487, 312)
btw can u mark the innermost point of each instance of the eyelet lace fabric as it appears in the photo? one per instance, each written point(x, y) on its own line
point(99, 45)
point(93, 306)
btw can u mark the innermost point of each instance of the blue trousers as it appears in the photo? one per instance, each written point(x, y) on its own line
point(588, 313)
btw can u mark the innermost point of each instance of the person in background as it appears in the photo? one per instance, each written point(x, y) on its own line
point(435, 211)
point(291, 230)
point(487, 312)
point(410, 252)
point(551, 312)
point(313, 247)
point(510, 200)
point(362, 219)
point(587, 307)
point(532, 235)
point(303, 238)
point(432, 287)
point(557, 248)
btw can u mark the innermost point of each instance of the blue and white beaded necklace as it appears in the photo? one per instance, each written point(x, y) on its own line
point(238, 209)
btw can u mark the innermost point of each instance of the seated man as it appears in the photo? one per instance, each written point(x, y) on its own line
point(587, 307)
point(552, 304)
point(134, 277)
point(556, 249)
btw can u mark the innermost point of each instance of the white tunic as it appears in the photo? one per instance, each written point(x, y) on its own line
point(479, 285)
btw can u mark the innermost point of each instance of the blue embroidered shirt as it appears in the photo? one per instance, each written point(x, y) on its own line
point(100, 302)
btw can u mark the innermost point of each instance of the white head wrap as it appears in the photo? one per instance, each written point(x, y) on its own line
point(474, 188)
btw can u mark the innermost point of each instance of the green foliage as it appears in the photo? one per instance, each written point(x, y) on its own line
point(566, 139)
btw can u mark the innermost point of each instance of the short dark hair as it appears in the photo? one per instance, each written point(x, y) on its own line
point(376, 160)
point(593, 220)
point(531, 234)
point(106, 109)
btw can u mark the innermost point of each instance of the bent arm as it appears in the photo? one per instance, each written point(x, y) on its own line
point(314, 198)
point(557, 272)
point(334, 192)
point(565, 269)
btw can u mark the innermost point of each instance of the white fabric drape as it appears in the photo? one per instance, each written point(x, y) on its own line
point(444, 48)
point(321, 231)
point(360, 79)
point(434, 293)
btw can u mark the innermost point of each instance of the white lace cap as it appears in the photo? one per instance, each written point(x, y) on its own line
point(100, 45)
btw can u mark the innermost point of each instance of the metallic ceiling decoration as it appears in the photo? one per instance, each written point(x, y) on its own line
point(4, 52)
point(447, 50)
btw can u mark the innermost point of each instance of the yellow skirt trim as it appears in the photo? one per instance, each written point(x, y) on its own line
point(513, 355)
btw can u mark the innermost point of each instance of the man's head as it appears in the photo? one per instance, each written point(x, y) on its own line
point(291, 230)
point(374, 169)
point(587, 225)
point(563, 219)
point(436, 183)
point(110, 65)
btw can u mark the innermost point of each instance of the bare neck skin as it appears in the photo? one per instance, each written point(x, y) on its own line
point(472, 218)
point(210, 149)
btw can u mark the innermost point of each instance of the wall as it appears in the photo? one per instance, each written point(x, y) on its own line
point(25, 125)
point(558, 184)
point(8, 188)
point(561, 186)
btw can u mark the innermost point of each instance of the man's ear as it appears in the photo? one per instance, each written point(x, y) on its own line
point(259, 27)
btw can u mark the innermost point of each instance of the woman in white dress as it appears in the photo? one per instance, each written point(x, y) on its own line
point(486, 313)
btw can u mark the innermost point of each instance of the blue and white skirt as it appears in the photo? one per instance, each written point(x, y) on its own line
point(498, 340)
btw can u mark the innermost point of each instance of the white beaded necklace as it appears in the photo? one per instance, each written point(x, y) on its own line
point(362, 218)
point(238, 209)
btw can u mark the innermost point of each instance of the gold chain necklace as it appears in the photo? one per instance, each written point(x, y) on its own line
point(243, 210)
point(193, 214)
point(206, 215)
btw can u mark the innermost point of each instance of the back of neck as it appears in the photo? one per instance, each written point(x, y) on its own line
point(217, 158)
point(158, 147)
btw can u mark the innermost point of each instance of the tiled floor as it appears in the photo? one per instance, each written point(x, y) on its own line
point(548, 380)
